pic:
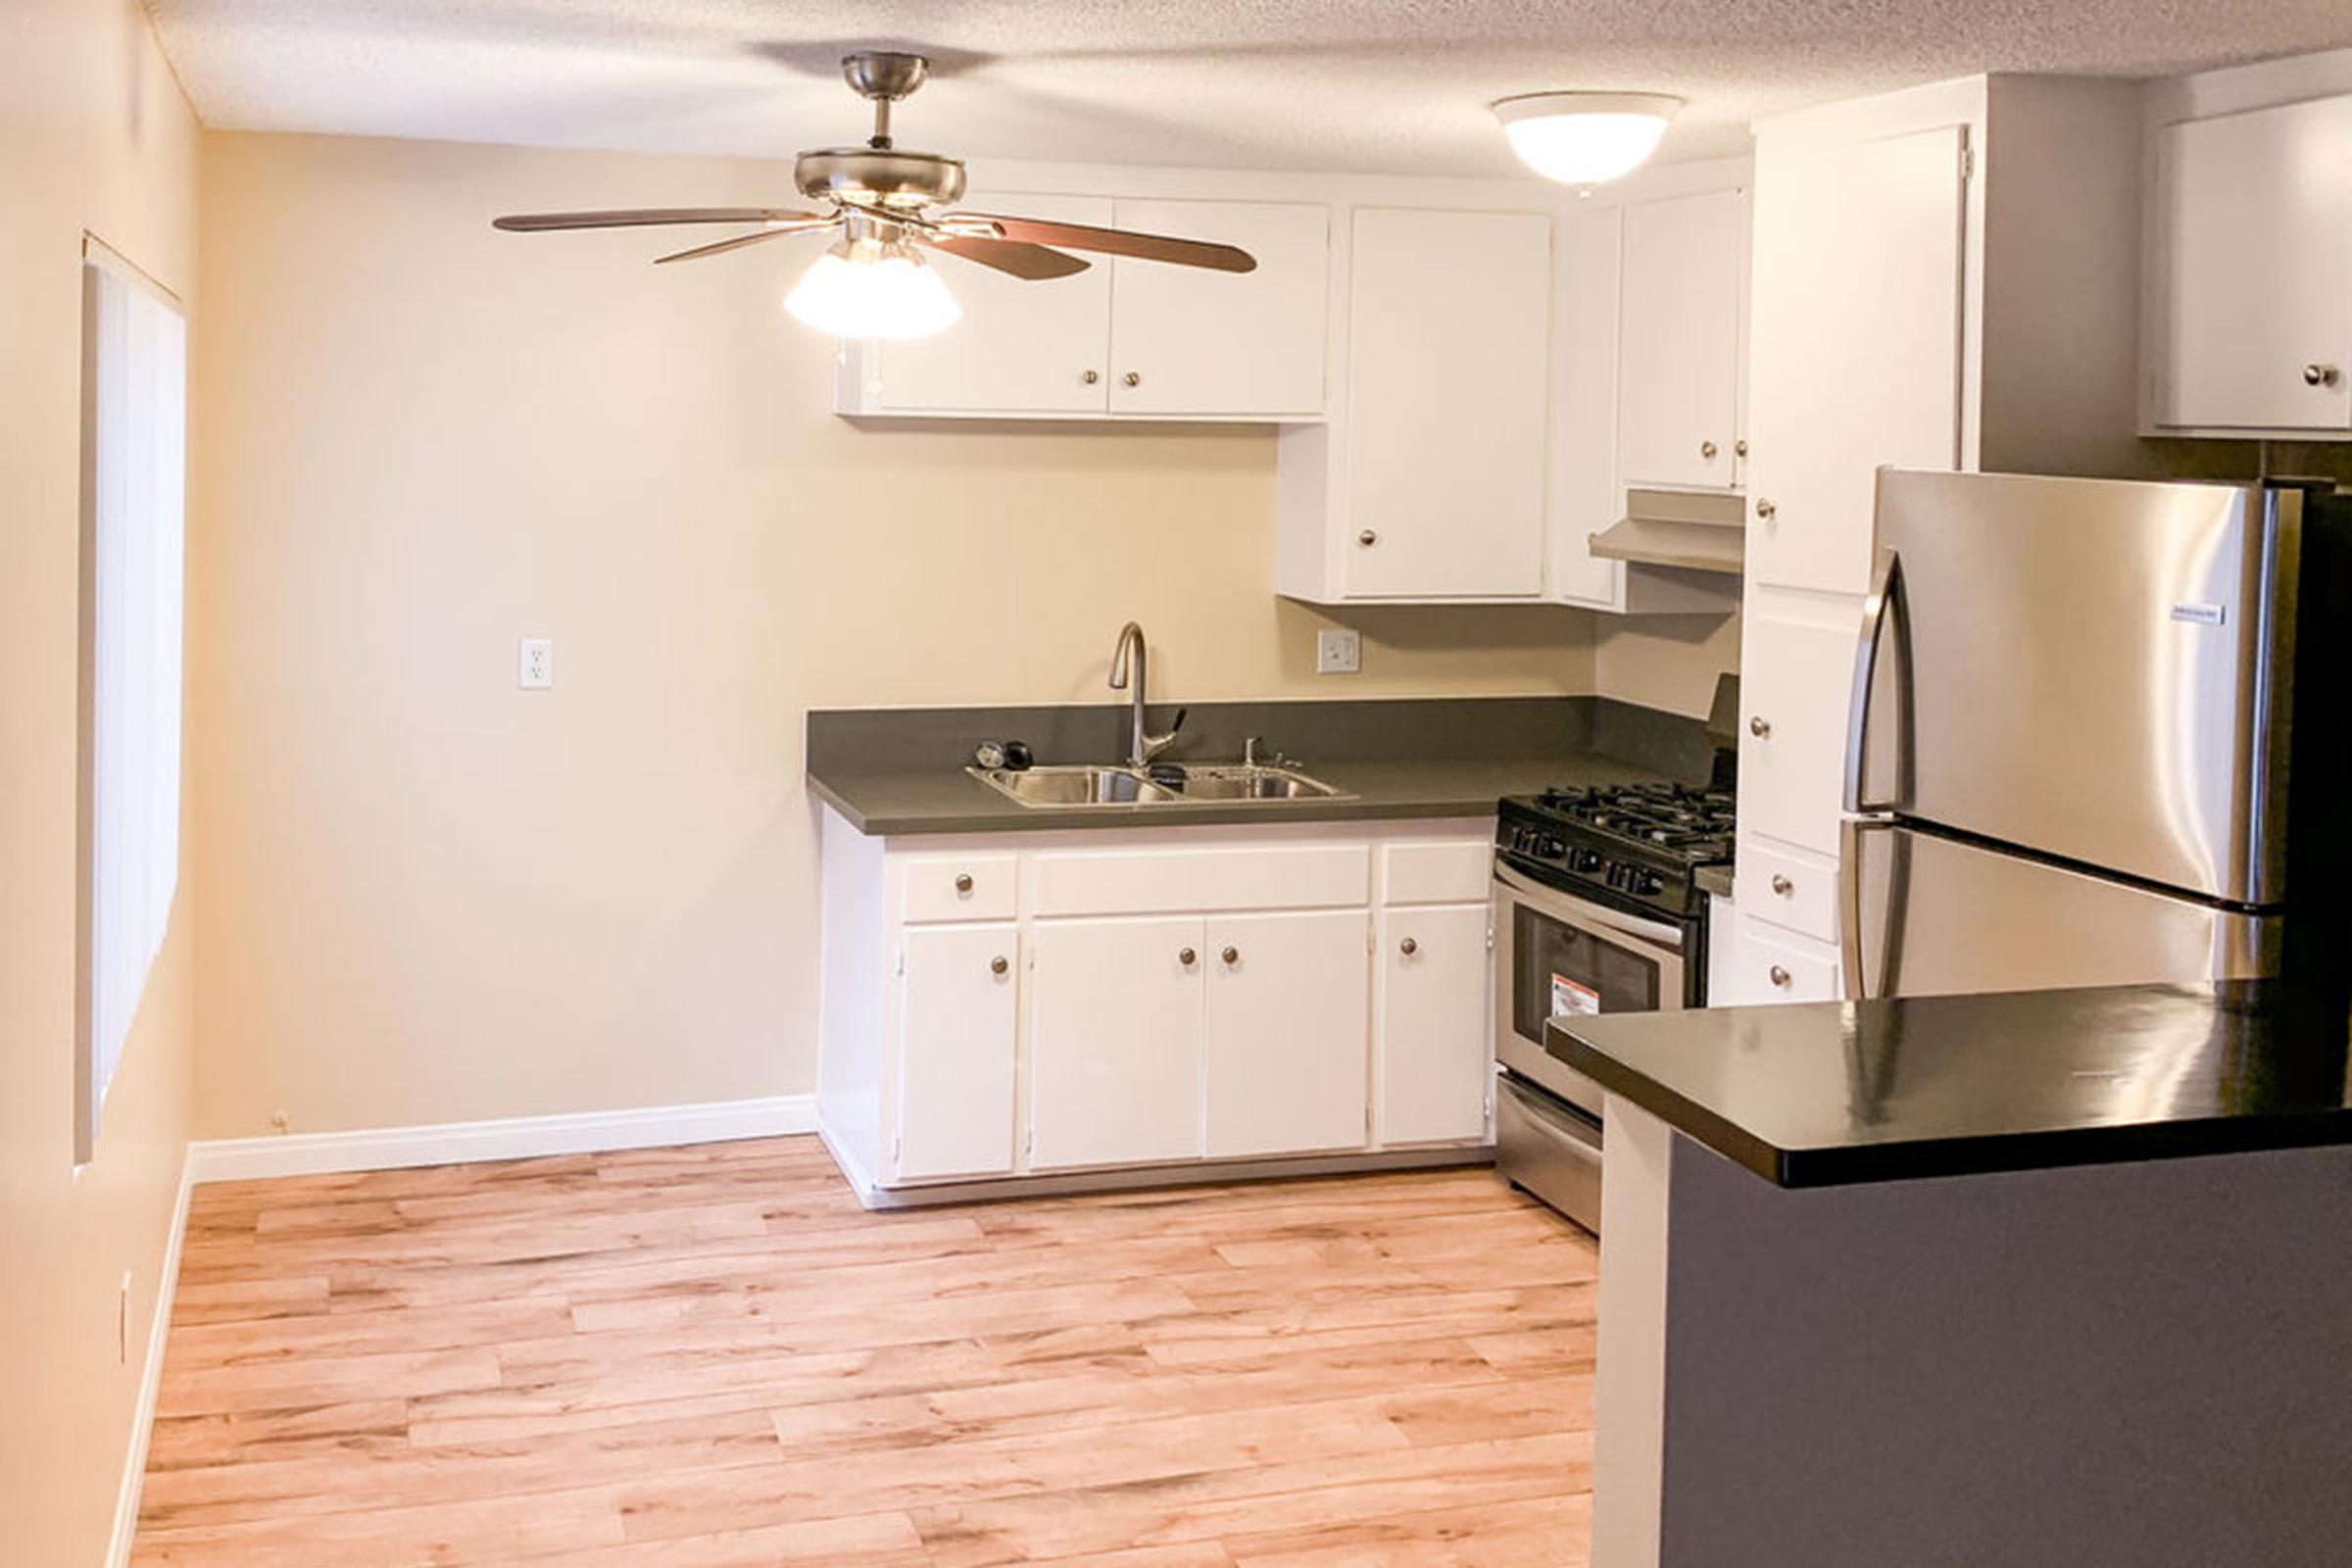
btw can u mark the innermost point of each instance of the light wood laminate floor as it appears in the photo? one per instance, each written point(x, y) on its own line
point(710, 1358)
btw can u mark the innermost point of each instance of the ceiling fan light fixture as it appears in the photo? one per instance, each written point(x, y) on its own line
point(872, 288)
point(1584, 138)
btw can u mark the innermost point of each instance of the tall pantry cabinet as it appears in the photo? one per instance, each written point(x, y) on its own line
point(1943, 277)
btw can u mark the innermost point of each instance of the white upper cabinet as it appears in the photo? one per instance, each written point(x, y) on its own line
point(1447, 405)
point(1684, 271)
point(2252, 329)
point(1189, 340)
point(1856, 357)
point(1023, 347)
point(1125, 338)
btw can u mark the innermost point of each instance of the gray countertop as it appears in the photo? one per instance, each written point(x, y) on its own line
point(894, 772)
point(948, 799)
point(1715, 879)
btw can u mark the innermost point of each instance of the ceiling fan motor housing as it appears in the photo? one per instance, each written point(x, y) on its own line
point(884, 180)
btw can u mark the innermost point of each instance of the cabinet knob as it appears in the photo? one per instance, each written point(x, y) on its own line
point(1368, 538)
point(1231, 956)
point(1782, 885)
point(964, 881)
point(1765, 509)
point(1187, 957)
point(1740, 448)
point(999, 964)
point(1706, 449)
point(1759, 726)
point(2321, 375)
point(1133, 378)
point(1778, 976)
point(1409, 946)
point(1090, 377)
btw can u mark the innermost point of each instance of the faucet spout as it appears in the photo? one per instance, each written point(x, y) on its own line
point(1129, 666)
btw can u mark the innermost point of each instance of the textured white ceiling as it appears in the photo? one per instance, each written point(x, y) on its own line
point(1393, 85)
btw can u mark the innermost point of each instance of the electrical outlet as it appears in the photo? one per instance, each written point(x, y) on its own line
point(1339, 651)
point(535, 664)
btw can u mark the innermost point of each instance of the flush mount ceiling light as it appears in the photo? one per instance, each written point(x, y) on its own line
point(1584, 139)
point(872, 284)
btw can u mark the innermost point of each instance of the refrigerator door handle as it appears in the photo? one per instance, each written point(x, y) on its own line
point(1849, 907)
point(1886, 592)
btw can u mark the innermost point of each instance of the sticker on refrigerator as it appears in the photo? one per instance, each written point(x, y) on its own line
point(2199, 613)
point(1572, 1000)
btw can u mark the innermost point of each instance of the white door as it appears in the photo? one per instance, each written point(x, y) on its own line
point(1187, 340)
point(1287, 1060)
point(1795, 677)
point(1448, 393)
point(957, 1014)
point(2257, 227)
point(1114, 1042)
point(1022, 346)
point(1679, 344)
point(1856, 343)
point(1431, 1017)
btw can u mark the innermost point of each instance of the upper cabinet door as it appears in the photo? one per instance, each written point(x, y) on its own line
point(2256, 229)
point(1187, 340)
point(1679, 345)
point(1022, 347)
point(1856, 356)
point(1448, 394)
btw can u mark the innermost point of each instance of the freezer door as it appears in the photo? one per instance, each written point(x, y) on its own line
point(2093, 669)
point(1928, 915)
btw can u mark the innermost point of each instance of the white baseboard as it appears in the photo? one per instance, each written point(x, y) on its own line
point(151, 1378)
point(230, 1159)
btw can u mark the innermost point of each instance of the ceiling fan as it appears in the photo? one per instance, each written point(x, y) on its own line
point(873, 282)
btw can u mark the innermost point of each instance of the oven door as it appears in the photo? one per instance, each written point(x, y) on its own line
point(1558, 955)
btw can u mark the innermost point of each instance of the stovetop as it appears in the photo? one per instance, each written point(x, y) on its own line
point(1640, 841)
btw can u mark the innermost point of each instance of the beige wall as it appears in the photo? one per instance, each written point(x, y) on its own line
point(94, 137)
point(1667, 661)
point(430, 897)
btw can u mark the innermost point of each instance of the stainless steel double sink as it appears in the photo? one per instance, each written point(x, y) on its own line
point(1090, 784)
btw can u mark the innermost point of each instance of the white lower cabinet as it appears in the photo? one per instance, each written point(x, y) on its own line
point(956, 1041)
point(1433, 969)
point(1285, 1032)
point(1152, 999)
point(1114, 1042)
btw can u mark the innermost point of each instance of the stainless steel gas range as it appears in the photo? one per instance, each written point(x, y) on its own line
point(1596, 910)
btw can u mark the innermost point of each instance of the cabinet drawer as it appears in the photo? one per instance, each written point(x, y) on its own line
point(1455, 871)
point(1301, 876)
point(1799, 892)
point(1770, 967)
point(959, 887)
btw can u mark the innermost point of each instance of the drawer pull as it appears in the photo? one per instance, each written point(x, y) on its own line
point(1782, 885)
point(964, 881)
point(1187, 957)
point(1231, 956)
point(999, 964)
point(1778, 976)
point(1759, 726)
point(1409, 946)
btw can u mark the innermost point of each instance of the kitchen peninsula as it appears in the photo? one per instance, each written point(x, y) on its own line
point(2050, 1277)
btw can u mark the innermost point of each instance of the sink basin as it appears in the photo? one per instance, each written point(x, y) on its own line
point(1247, 782)
point(1092, 785)
point(1073, 786)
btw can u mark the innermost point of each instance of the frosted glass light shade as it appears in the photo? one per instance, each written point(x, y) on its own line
point(866, 289)
point(1584, 138)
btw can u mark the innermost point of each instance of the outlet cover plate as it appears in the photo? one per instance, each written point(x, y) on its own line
point(535, 664)
point(1339, 651)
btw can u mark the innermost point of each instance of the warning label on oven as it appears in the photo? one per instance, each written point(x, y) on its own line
point(1572, 1000)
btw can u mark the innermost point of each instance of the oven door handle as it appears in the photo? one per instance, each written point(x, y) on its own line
point(1568, 907)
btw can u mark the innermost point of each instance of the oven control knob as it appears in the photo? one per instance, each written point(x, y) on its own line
point(1554, 848)
point(1653, 884)
point(1588, 860)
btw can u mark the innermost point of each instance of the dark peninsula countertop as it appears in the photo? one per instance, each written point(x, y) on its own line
point(1831, 1093)
point(892, 772)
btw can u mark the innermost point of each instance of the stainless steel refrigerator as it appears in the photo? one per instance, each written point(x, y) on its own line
point(2071, 757)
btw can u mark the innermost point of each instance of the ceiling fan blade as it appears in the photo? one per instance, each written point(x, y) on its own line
point(537, 223)
point(780, 231)
point(1117, 243)
point(1032, 261)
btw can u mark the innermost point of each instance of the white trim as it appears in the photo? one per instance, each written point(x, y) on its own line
point(151, 1376)
point(517, 1138)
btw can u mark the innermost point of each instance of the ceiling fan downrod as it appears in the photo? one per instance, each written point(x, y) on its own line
point(883, 76)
